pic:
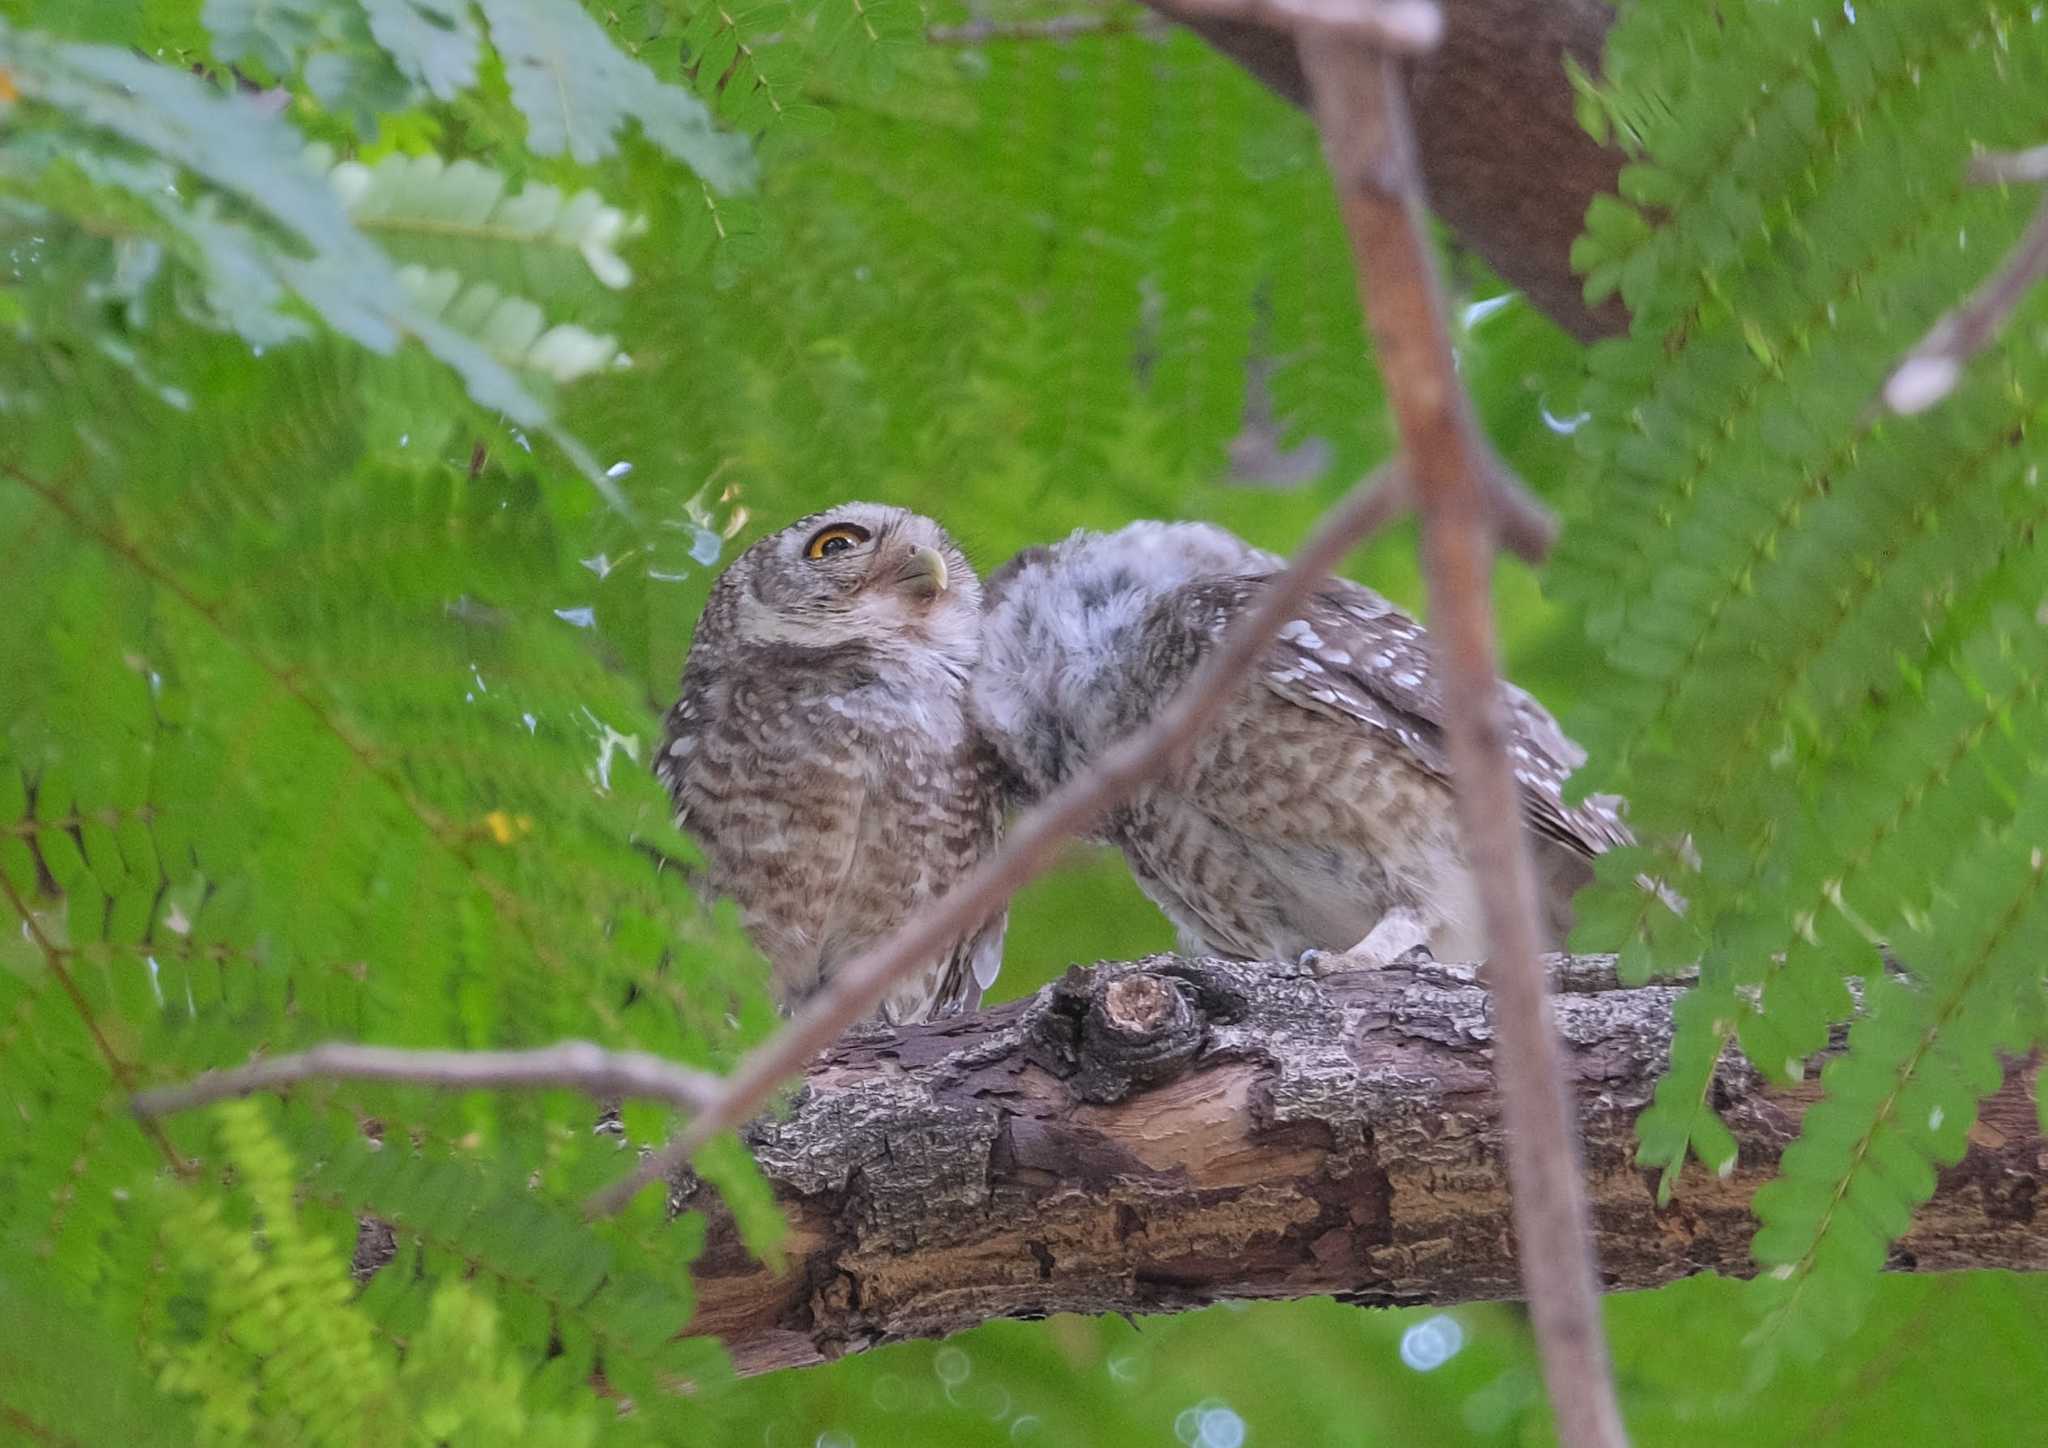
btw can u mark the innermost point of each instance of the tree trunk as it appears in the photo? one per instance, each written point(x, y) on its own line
point(1507, 165)
point(1156, 1136)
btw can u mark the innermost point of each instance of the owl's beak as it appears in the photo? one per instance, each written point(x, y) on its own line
point(923, 574)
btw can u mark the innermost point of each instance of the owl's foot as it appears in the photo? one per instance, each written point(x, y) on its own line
point(1400, 938)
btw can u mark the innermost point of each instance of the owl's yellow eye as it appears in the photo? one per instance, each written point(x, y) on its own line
point(835, 539)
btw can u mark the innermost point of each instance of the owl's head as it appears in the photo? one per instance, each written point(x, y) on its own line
point(887, 580)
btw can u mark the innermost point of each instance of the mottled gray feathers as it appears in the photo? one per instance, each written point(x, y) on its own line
point(1320, 801)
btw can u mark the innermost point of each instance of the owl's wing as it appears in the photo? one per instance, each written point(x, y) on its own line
point(976, 830)
point(1353, 655)
point(682, 730)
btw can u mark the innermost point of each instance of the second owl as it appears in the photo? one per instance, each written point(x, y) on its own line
point(1316, 812)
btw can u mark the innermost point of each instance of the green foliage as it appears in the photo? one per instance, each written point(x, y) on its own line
point(330, 680)
point(576, 90)
point(271, 1347)
point(153, 166)
point(1820, 628)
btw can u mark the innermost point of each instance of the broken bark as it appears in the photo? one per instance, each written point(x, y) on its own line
point(1156, 1136)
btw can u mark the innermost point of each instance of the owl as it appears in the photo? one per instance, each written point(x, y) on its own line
point(1315, 814)
point(821, 755)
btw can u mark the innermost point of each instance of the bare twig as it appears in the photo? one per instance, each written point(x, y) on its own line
point(1525, 525)
point(2010, 167)
point(117, 1065)
point(568, 1065)
point(1409, 27)
point(1053, 27)
point(1519, 520)
point(1030, 845)
point(1930, 372)
point(1361, 110)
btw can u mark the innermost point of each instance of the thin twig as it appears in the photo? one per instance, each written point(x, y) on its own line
point(1408, 27)
point(1361, 110)
point(1052, 27)
point(1994, 168)
point(1932, 369)
point(1520, 522)
point(1030, 845)
point(567, 1065)
point(117, 1065)
point(1525, 526)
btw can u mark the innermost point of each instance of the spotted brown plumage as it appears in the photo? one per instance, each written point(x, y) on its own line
point(821, 755)
point(1316, 812)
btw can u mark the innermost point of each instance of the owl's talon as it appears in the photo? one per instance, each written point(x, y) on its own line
point(1320, 963)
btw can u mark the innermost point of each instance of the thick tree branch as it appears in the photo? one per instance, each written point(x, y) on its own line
point(1363, 116)
point(1507, 166)
point(1158, 1136)
point(1030, 845)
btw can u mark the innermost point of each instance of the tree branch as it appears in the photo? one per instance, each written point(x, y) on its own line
point(2001, 168)
point(1158, 1136)
point(1051, 27)
point(1029, 847)
point(568, 1065)
point(1362, 113)
point(1507, 165)
point(1931, 371)
point(1408, 27)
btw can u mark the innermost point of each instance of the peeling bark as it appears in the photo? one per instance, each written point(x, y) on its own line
point(1157, 1136)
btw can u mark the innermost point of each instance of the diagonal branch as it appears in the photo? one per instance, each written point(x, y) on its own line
point(117, 1065)
point(1028, 848)
point(1932, 370)
point(1362, 112)
point(567, 1065)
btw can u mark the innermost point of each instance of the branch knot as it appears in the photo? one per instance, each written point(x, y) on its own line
point(1111, 1030)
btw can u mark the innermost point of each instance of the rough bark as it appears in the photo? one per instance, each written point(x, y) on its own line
point(1508, 167)
point(1160, 1135)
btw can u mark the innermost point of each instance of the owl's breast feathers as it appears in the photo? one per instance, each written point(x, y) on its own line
point(831, 800)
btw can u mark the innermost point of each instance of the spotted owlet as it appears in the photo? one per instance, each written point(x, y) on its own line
point(1316, 812)
point(821, 754)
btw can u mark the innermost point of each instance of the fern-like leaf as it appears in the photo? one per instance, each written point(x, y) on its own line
point(1899, 1104)
point(577, 91)
point(1816, 678)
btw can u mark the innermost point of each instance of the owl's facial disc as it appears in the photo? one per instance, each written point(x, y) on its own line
point(881, 579)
